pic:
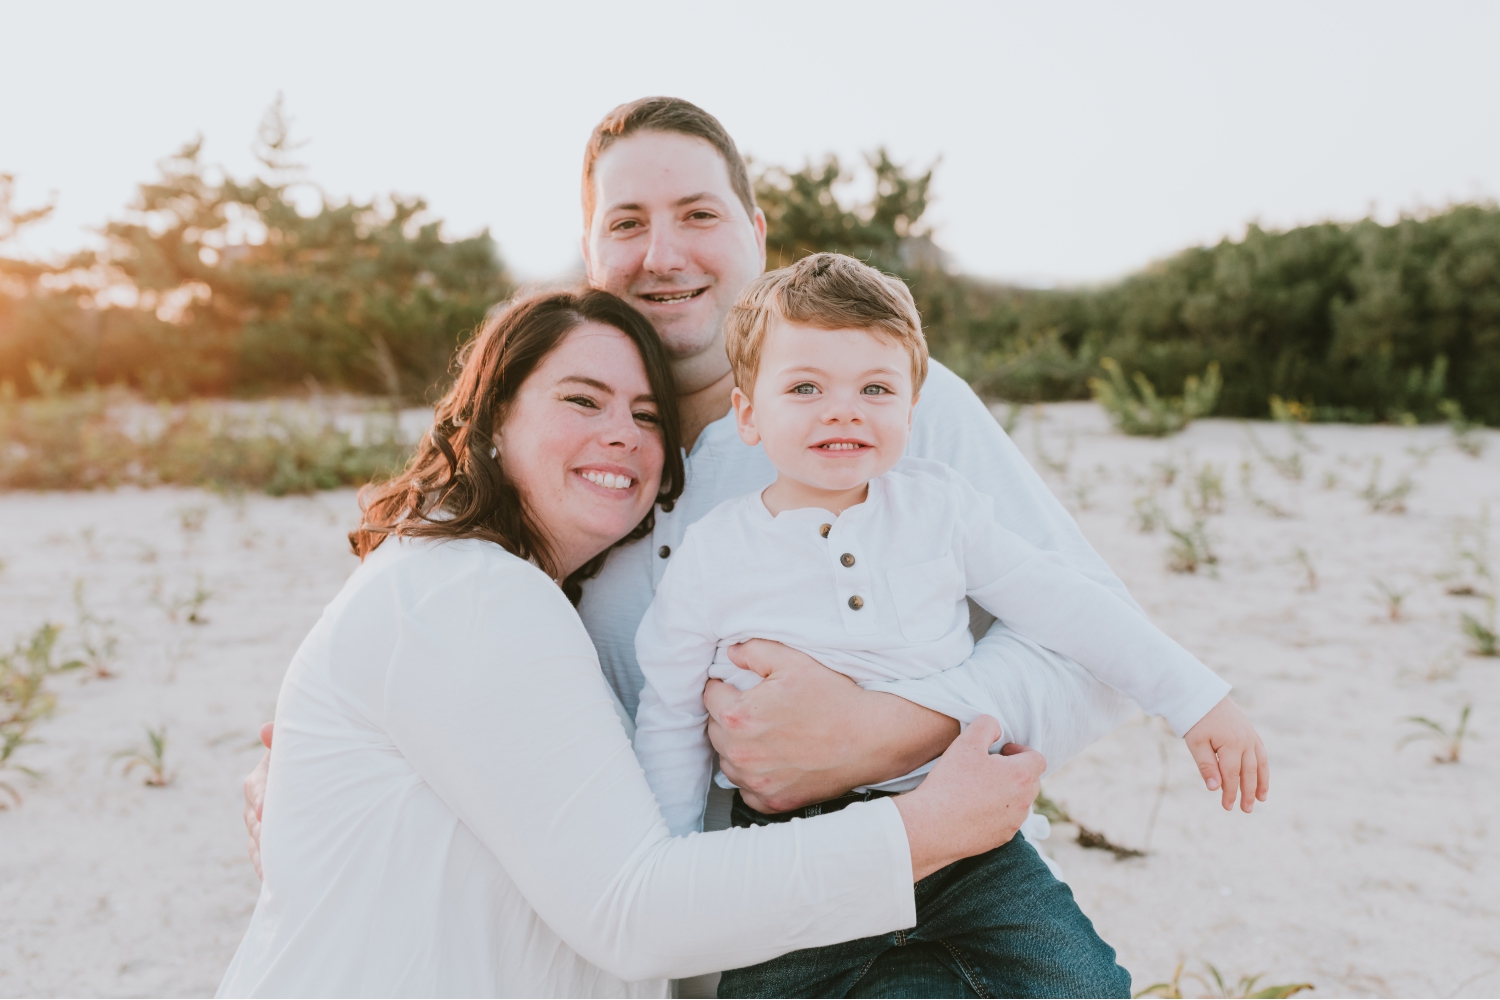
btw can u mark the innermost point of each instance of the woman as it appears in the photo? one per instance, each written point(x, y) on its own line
point(455, 808)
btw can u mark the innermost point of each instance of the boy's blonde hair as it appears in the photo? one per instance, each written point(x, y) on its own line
point(829, 291)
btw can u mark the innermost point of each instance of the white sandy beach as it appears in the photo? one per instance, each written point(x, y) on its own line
point(1373, 870)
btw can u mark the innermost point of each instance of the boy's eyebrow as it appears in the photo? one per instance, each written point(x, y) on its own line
point(813, 370)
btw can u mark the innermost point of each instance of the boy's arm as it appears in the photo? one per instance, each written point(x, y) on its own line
point(675, 649)
point(1039, 596)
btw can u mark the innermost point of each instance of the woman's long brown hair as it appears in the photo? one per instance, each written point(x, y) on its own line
point(454, 488)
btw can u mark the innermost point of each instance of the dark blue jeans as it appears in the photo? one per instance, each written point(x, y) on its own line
point(995, 925)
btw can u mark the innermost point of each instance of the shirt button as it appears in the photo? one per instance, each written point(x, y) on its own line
point(825, 529)
point(847, 559)
point(856, 602)
point(664, 551)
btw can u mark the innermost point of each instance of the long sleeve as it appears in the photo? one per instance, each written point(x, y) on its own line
point(675, 648)
point(493, 695)
point(1044, 599)
point(1042, 698)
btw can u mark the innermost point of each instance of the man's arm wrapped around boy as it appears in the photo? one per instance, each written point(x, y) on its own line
point(675, 649)
point(1041, 597)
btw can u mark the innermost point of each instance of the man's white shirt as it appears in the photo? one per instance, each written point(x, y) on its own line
point(1042, 698)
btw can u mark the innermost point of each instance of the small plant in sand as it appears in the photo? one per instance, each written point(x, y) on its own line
point(191, 519)
point(1468, 436)
point(1247, 487)
point(1288, 466)
point(95, 637)
point(1304, 560)
point(1450, 741)
point(184, 607)
point(1205, 494)
point(24, 698)
point(1390, 599)
point(1471, 577)
point(1483, 640)
point(1386, 499)
point(1215, 985)
point(1191, 548)
point(1147, 514)
point(1091, 839)
point(1135, 408)
point(151, 756)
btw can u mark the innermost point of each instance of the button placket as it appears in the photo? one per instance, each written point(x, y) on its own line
point(851, 572)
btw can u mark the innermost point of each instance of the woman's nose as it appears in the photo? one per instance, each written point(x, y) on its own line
point(623, 431)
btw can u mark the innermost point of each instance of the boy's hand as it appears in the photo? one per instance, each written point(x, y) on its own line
point(1230, 755)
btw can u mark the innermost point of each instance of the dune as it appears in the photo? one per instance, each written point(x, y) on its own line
point(1372, 870)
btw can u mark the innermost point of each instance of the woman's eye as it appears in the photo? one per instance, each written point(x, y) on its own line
point(648, 417)
point(582, 401)
point(804, 388)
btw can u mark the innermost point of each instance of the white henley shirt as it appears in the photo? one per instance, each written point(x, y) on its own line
point(877, 593)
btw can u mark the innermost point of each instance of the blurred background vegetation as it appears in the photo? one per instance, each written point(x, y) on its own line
point(209, 285)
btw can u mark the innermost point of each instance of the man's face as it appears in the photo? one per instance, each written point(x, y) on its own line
point(671, 238)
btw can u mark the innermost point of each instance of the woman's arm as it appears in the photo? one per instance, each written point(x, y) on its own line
point(494, 696)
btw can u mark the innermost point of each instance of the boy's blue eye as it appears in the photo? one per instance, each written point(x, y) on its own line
point(805, 389)
point(874, 390)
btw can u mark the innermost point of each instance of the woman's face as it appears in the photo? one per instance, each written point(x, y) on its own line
point(582, 445)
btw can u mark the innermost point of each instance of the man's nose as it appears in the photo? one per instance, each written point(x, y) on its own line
point(665, 252)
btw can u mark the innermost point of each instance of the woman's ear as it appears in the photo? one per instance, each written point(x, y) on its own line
point(744, 417)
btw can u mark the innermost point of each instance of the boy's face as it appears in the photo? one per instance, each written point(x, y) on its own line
point(831, 407)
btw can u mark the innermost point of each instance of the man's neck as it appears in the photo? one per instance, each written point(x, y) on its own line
point(696, 410)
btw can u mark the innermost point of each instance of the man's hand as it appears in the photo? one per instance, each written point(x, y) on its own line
point(255, 797)
point(1230, 755)
point(806, 733)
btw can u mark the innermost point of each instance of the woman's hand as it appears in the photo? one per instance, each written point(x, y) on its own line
point(972, 801)
point(807, 733)
point(255, 797)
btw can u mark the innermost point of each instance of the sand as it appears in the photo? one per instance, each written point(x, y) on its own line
point(1372, 871)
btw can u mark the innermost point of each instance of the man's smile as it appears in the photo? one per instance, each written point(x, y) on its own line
point(669, 298)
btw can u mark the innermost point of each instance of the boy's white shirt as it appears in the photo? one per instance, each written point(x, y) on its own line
point(1042, 698)
point(879, 594)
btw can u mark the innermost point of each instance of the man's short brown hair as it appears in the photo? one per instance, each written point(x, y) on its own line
point(829, 291)
point(664, 114)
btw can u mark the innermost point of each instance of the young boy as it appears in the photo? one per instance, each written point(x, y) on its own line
point(864, 561)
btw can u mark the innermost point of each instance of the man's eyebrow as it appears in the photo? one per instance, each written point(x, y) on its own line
point(700, 196)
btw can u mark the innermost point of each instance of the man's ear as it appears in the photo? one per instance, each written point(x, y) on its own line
point(744, 417)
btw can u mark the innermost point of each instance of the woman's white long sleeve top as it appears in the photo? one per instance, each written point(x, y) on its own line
point(454, 809)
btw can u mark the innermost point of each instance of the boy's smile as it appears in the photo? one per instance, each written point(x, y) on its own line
point(832, 408)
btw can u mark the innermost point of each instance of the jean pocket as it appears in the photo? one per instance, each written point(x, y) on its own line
point(928, 597)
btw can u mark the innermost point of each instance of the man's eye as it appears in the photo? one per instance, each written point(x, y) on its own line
point(804, 388)
point(875, 390)
point(626, 224)
point(702, 216)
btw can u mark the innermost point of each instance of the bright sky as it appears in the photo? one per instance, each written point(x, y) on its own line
point(1078, 141)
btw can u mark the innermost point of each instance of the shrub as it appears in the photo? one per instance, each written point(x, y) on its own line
point(1137, 409)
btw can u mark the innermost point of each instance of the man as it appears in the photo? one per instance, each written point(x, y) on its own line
point(671, 226)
